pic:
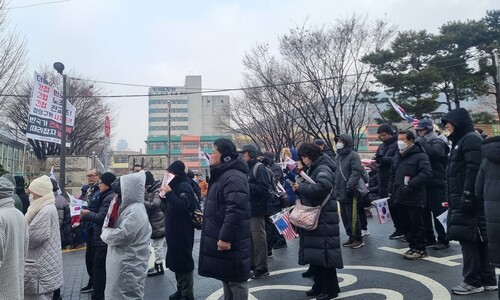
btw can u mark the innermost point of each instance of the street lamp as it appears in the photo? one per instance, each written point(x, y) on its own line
point(62, 164)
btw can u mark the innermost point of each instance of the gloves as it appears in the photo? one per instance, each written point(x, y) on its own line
point(467, 201)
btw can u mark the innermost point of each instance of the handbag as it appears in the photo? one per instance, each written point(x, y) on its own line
point(306, 217)
point(361, 187)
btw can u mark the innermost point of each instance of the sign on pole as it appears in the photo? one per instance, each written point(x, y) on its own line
point(45, 117)
point(107, 126)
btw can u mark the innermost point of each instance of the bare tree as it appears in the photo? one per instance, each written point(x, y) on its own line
point(88, 132)
point(318, 82)
point(12, 57)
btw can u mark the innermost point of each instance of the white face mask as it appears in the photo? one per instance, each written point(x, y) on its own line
point(340, 146)
point(402, 145)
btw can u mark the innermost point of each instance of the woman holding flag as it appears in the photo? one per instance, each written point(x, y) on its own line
point(320, 247)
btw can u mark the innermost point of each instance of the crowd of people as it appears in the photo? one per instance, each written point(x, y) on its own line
point(128, 220)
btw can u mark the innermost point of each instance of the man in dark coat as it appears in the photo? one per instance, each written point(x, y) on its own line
point(179, 230)
point(466, 218)
point(349, 172)
point(21, 192)
point(225, 237)
point(411, 170)
point(103, 200)
point(384, 157)
point(488, 189)
point(260, 206)
point(437, 150)
point(156, 217)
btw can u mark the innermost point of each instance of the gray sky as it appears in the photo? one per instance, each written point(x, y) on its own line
point(158, 42)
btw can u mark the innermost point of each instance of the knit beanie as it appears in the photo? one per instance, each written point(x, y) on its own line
point(19, 180)
point(41, 186)
point(177, 168)
point(385, 128)
point(108, 178)
point(6, 188)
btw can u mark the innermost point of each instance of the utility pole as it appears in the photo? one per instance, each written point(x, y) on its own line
point(169, 153)
point(62, 163)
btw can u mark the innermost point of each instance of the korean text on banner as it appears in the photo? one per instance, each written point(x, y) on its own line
point(45, 117)
point(382, 207)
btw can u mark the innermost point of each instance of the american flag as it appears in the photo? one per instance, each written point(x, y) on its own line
point(283, 225)
point(403, 114)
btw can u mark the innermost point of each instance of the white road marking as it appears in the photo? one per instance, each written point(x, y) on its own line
point(447, 260)
point(438, 291)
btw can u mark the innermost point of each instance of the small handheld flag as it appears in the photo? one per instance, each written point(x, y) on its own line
point(283, 225)
point(403, 114)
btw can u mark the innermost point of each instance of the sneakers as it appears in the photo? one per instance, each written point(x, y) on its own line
point(441, 246)
point(490, 287)
point(86, 289)
point(357, 244)
point(348, 242)
point(365, 233)
point(466, 289)
point(260, 273)
point(396, 235)
point(415, 254)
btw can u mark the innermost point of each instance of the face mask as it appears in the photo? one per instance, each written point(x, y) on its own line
point(340, 146)
point(31, 198)
point(402, 145)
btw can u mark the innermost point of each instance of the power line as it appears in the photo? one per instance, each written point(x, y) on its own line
point(36, 4)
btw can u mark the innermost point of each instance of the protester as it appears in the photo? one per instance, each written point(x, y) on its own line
point(349, 172)
point(324, 149)
point(153, 204)
point(136, 168)
point(466, 217)
point(21, 192)
point(64, 216)
point(260, 206)
point(17, 201)
point(179, 230)
point(91, 196)
point(437, 150)
point(43, 272)
point(320, 247)
point(488, 190)
point(127, 233)
point(411, 171)
point(13, 244)
point(225, 237)
point(102, 202)
point(384, 158)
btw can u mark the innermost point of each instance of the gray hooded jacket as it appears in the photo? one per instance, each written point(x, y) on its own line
point(348, 164)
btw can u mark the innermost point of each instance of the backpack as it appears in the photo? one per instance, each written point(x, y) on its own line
point(273, 188)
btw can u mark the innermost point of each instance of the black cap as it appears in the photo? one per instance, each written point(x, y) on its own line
point(385, 128)
point(177, 168)
point(319, 142)
point(108, 178)
point(251, 149)
point(424, 124)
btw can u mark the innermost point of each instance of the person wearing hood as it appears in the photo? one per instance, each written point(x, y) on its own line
point(21, 192)
point(225, 237)
point(13, 244)
point(17, 201)
point(384, 157)
point(325, 149)
point(320, 248)
point(102, 203)
point(437, 150)
point(127, 232)
point(487, 190)
point(153, 204)
point(466, 216)
point(43, 271)
point(180, 202)
point(349, 172)
point(410, 172)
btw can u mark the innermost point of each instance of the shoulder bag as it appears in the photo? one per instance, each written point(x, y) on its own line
point(306, 217)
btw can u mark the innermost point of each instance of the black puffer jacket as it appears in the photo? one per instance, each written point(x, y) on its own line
point(465, 223)
point(152, 202)
point(413, 164)
point(102, 202)
point(321, 247)
point(227, 218)
point(385, 158)
point(179, 230)
point(437, 150)
point(488, 188)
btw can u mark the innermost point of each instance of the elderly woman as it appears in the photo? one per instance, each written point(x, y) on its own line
point(126, 230)
point(320, 247)
point(43, 268)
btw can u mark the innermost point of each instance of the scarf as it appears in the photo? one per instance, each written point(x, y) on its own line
point(429, 136)
point(407, 149)
point(37, 205)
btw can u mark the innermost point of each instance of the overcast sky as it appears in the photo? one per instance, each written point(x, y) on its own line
point(159, 42)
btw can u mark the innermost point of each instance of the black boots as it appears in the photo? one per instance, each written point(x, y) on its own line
point(158, 270)
point(184, 287)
